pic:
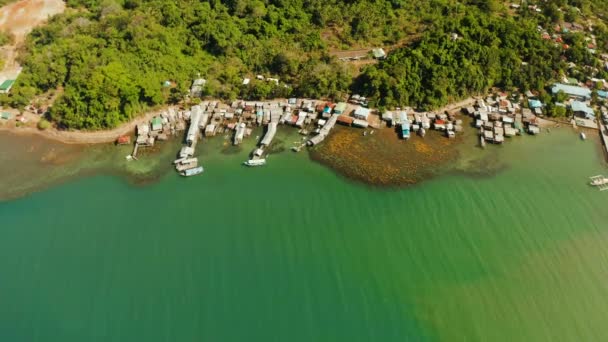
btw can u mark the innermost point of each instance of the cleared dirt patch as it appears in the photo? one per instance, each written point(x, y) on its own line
point(22, 16)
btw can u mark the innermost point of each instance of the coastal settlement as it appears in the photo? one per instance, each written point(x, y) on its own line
point(498, 116)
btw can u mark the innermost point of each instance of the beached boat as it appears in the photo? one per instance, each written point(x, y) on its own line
point(255, 162)
point(192, 172)
point(583, 136)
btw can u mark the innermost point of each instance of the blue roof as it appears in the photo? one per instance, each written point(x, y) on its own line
point(571, 90)
point(535, 104)
point(578, 106)
point(603, 94)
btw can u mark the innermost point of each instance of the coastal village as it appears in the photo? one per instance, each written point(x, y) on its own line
point(497, 118)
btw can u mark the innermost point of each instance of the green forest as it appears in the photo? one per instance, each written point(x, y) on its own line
point(108, 61)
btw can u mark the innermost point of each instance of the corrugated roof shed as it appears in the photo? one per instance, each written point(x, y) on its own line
point(581, 107)
point(571, 90)
point(340, 108)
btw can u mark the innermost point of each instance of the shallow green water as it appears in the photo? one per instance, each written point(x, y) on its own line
point(292, 252)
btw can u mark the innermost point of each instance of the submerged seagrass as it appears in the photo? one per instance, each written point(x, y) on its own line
point(292, 252)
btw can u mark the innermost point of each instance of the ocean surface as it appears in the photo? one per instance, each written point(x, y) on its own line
point(508, 244)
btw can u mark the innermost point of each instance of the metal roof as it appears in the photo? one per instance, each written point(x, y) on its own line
point(571, 90)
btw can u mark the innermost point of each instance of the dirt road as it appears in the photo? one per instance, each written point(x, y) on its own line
point(77, 137)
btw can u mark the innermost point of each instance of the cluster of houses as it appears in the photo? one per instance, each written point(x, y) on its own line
point(500, 118)
point(159, 128)
point(419, 122)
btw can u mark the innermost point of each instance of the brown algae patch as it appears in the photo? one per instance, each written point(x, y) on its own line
point(382, 159)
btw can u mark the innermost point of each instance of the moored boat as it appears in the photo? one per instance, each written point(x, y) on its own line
point(583, 136)
point(255, 162)
point(192, 172)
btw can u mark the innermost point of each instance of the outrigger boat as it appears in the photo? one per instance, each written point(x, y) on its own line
point(600, 182)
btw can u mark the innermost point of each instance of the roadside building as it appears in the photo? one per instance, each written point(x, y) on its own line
point(197, 87)
point(379, 53)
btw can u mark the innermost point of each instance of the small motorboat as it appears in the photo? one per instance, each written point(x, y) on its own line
point(583, 136)
point(192, 172)
point(255, 162)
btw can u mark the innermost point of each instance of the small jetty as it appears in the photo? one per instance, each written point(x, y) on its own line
point(239, 133)
point(600, 182)
point(324, 132)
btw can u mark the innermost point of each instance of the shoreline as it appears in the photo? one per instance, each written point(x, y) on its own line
point(81, 137)
point(77, 137)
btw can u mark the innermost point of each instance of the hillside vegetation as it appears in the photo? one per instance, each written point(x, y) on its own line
point(112, 59)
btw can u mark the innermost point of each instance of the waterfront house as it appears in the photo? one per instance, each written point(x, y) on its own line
point(157, 123)
point(361, 113)
point(360, 123)
point(340, 108)
point(582, 110)
point(387, 116)
point(345, 120)
point(439, 125)
point(533, 129)
point(210, 130)
point(143, 129)
point(301, 118)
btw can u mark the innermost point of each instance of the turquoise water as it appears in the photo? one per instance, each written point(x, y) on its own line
point(293, 252)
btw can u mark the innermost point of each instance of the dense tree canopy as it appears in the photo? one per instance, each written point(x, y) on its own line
point(111, 59)
point(466, 53)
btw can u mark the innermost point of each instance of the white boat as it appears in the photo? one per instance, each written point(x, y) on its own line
point(583, 136)
point(255, 162)
point(599, 181)
point(192, 172)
